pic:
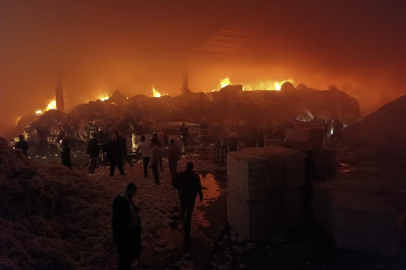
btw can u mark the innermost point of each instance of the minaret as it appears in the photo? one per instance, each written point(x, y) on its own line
point(60, 103)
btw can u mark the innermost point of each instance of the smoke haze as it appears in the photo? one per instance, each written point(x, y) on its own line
point(131, 46)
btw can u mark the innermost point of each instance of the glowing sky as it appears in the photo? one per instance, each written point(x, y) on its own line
point(132, 46)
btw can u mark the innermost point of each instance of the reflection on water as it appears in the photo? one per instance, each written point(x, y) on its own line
point(211, 191)
point(345, 168)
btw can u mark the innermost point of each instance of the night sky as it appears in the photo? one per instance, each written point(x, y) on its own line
point(100, 46)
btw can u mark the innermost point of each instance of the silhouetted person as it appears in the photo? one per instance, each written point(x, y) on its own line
point(123, 147)
point(224, 138)
point(156, 157)
point(145, 148)
point(65, 154)
point(184, 135)
point(261, 137)
point(310, 172)
point(93, 152)
point(114, 154)
point(22, 144)
point(233, 141)
point(126, 228)
point(155, 138)
point(204, 133)
point(158, 143)
point(189, 185)
point(174, 154)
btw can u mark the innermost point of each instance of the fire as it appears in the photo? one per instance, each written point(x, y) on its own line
point(156, 92)
point(51, 105)
point(224, 82)
point(264, 85)
point(103, 97)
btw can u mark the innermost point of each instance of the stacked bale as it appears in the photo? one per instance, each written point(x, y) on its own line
point(264, 190)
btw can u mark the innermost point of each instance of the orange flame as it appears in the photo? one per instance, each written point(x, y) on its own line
point(156, 92)
point(103, 97)
point(224, 82)
point(263, 85)
point(51, 105)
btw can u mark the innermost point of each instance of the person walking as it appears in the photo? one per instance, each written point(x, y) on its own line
point(93, 152)
point(174, 155)
point(126, 225)
point(114, 155)
point(189, 185)
point(65, 154)
point(156, 158)
point(22, 144)
point(145, 148)
point(184, 135)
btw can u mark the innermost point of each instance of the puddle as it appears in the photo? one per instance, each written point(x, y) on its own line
point(345, 168)
point(211, 191)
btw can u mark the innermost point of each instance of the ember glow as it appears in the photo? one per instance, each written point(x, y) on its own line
point(224, 82)
point(51, 105)
point(155, 92)
point(103, 97)
point(262, 85)
point(266, 85)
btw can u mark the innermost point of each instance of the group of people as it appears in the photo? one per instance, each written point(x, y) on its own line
point(126, 221)
point(228, 140)
point(115, 150)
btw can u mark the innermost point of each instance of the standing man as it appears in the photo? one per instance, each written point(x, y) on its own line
point(184, 134)
point(174, 154)
point(156, 158)
point(93, 152)
point(22, 144)
point(65, 154)
point(145, 149)
point(189, 185)
point(114, 155)
point(126, 228)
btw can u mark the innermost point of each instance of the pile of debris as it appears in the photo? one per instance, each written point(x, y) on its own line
point(378, 140)
point(50, 217)
point(229, 105)
point(365, 204)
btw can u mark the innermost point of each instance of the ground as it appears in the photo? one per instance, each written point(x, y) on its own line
point(213, 245)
